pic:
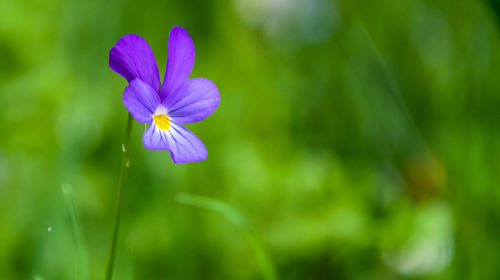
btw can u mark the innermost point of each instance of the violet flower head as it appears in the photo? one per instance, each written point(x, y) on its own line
point(165, 106)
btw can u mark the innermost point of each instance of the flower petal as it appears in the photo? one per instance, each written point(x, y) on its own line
point(141, 100)
point(195, 100)
point(155, 138)
point(132, 58)
point(183, 145)
point(180, 60)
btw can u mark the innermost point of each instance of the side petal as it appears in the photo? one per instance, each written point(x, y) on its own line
point(195, 100)
point(141, 100)
point(131, 57)
point(183, 145)
point(180, 60)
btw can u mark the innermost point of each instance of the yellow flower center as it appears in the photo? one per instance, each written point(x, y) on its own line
point(162, 121)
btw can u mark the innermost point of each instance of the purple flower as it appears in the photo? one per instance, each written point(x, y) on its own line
point(165, 107)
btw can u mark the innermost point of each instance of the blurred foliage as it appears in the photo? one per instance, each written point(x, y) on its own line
point(359, 139)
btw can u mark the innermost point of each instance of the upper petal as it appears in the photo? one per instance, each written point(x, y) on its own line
point(183, 145)
point(180, 60)
point(195, 100)
point(141, 100)
point(132, 58)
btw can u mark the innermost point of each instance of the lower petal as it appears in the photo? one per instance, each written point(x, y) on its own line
point(183, 145)
point(155, 138)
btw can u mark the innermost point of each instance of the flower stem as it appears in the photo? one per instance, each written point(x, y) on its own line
point(121, 182)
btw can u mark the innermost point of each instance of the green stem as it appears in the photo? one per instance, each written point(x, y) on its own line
point(121, 182)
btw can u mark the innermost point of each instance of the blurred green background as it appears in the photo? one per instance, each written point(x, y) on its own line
point(355, 139)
